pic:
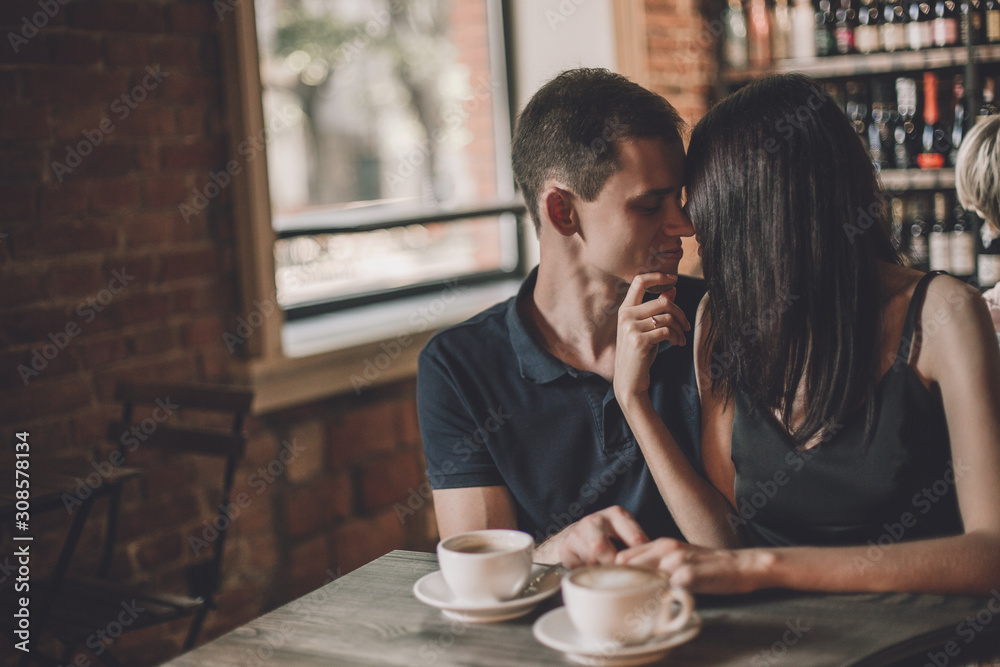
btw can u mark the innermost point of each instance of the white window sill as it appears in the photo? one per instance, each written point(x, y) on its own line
point(362, 348)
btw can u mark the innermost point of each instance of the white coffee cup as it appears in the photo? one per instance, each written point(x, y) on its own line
point(622, 604)
point(486, 566)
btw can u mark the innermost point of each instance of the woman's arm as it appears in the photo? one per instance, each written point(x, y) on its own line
point(701, 512)
point(959, 355)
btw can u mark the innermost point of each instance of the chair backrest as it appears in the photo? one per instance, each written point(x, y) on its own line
point(169, 435)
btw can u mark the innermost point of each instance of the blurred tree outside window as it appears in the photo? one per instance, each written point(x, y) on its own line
point(383, 116)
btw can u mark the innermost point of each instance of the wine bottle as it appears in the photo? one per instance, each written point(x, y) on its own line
point(825, 23)
point(973, 24)
point(758, 33)
point(991, 9)
point(879, 141)
point(944, 25)
point(857, 110)
point(905, 133)
point(846, 24)
point(933, 143)
point(868, 34)
point(940, 239)
point(918, 30)
point(734, 22)
point(989, 107)
point(894, 26)
point(917, 247)
point(781, 30)
point(803, 30)
point(959, 118)
point(963, 246)
point(988, 261)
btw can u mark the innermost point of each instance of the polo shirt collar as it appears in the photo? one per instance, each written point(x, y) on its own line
point(534, 361)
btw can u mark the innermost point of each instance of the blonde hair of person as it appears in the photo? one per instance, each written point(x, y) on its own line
point(977, 171)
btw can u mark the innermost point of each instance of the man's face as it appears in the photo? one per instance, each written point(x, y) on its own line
point(636, 223)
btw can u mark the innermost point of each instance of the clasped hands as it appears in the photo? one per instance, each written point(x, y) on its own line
point(592, 541)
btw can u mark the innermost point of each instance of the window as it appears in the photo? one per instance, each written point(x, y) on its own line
point(387, 150)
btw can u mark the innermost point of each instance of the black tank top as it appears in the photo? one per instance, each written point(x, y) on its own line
point(900, 486)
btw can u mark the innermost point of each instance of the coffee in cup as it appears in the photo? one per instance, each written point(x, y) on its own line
point(486, 566)
point(624, 605)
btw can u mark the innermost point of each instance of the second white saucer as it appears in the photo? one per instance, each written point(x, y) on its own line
point(431, 589)
point(556, 631)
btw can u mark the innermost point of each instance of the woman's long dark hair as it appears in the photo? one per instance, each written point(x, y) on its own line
point(792, 223)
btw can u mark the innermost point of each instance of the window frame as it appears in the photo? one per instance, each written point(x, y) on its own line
point(281, 381)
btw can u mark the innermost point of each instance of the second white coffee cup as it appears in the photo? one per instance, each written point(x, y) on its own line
point(486, 566)
point(623, 604)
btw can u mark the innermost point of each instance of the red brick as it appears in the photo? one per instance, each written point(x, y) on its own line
point(9, 87)
point(19, 51)
point(140, 308)
point(74, 86)
point(202, 331)
point(21, 163)
point(69, 48)
point(140, 268)
point(23, 123)
point(192, 88)
point(44, 397)
point(148, 120)
point(100, 353)
point(13, 13)
point(31, 325)
point(160, 551)
point(70, 122)
point(200, 155)
point(165, 190)
point(175, 366)
point(21, 369)
point(62, 238)
point(388, 480)
point(20, 202)
point(179, 53)
point(117, 195)
point(308, 563)
point(362, 541)
point(91, 426)
point(361, 432)
point(76, 278)
point(193, 17)
point(157, 339)
point(149, 228)
point(187, 264)
point(170, 475)
point(22, 285)
point(127, 51)
point(191, 119)
point(311, 508)
point(122, 16)
point(135, 522)
point(106, 160)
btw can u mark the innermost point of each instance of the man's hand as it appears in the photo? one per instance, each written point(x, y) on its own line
point(591, 540)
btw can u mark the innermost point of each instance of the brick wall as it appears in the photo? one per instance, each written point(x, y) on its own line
point(110, 115)
point(682, 63)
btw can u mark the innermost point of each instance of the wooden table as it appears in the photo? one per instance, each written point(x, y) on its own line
point(370, 617)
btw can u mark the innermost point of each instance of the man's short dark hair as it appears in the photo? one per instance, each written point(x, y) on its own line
point(571, 129)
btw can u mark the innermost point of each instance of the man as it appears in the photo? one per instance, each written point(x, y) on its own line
point(517, 410)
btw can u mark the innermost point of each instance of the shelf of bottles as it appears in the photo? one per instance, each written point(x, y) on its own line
point(913, 76)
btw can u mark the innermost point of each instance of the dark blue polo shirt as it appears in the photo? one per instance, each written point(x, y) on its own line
point(496, 408)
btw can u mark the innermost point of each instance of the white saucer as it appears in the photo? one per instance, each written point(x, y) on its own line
point(431, 589)
point(555, 630)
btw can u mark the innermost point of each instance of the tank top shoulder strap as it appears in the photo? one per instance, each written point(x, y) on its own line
point(910, 326)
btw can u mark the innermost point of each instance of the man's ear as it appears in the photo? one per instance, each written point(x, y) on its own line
point(557, 205)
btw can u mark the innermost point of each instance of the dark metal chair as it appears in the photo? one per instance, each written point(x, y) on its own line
point(84, 605)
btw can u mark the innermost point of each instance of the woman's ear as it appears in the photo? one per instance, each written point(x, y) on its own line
point(557, 206)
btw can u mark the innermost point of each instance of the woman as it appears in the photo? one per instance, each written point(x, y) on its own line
point(977, 175)
point(851, 405)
